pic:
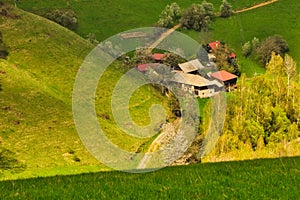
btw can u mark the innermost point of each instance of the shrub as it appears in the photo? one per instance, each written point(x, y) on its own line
point(255, 43)
point(169, 16)
point(226, 9)
point(3, 48)
point(198, 16)
point(66, 18)
point(271, 44)
point(247, 49)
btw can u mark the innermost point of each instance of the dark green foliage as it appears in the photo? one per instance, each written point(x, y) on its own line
point(173, 60)
point(66, 18)
point(247, 49)
point(224, 62)
point(198, 16)
point(170, 16)
point(226, 9)
point(271, 44)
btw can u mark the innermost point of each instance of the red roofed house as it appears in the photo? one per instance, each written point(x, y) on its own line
point(227, 78)
point(214, 45)
point(159, 57)
point(145, 67)
point(232, 55)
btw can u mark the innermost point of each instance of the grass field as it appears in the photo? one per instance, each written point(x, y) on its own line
point(257, 179)
point(36, 100)
point(235, 31)
point(106, 18)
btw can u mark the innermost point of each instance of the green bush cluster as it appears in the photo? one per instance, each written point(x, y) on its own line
point(66, 18)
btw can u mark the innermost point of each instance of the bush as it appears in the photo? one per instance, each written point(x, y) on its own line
point(247, 49)
point(271, 44)
point(226, 9)
point(198, 16)
point(66, 18)
point(170, 16)
point(3, 48)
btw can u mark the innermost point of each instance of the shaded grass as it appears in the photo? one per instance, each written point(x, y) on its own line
point(257, 179)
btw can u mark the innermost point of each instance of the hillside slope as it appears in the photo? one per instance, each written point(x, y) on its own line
point(35, 101)
point(36, 98)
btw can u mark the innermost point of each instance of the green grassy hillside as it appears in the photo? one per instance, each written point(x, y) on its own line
point(36, 115)
point(257, 179)
point(106, 18)
point(278, 18)
point(36, 98)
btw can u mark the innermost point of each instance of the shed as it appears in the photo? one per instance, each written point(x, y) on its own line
point(223, 76)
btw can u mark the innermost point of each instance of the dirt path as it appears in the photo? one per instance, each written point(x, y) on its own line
point(168, 133)
point(256, 6)
point(163, 36)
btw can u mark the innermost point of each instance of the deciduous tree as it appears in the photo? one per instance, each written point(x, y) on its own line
point(226, 9)
point(170, 16)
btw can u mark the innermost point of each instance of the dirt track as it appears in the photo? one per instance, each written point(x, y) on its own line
point(256, 6)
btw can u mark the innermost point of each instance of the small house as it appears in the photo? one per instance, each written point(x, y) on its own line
point(159, 57)
point(225, 77)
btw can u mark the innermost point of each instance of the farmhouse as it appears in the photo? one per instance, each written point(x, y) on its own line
point(225, 77)
point(196, 84)
point(188, 78)
point(191, 67)
point(213, 46)
point(159, 57)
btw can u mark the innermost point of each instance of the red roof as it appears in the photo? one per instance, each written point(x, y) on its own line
point(232, 55)
point(214, 45)
point(145, 67)
point(223, 75)
point(159, 56)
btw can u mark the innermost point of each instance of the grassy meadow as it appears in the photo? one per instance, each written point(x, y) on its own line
point(257, 179)
point(36, 98)
point(36, 107)
point(107, 18)
point(278, 18)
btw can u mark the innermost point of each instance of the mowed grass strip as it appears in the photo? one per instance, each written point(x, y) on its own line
point(256, 179)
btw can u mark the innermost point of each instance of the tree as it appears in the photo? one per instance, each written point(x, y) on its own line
point(290, 67)
point(198, 16)
point(255, 43)
point(209, 9)
point(226, 9)
point(170, 16)
point(247, 49)
point(271, 44)
point(224, 62)
point(173, 60)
